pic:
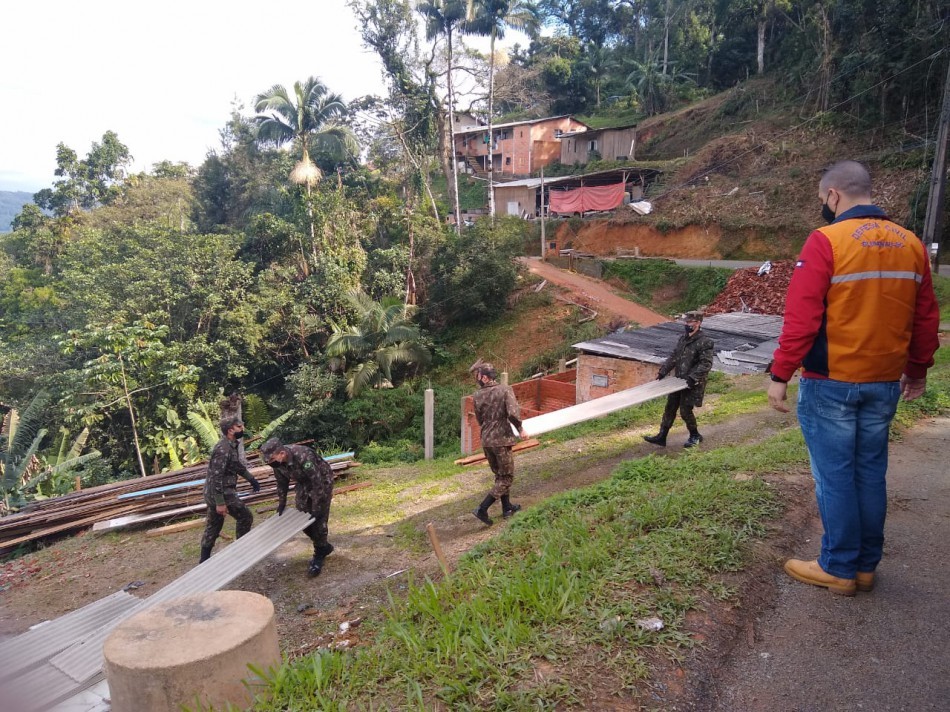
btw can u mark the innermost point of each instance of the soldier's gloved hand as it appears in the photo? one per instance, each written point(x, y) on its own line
point(255, 485)
point(280, 508)
point(690, 381)
point(660, 376)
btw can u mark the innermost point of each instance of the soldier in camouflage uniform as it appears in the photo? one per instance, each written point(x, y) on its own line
point(496, 410)
point(221, 486)
point(691, 360)
point(313, 487)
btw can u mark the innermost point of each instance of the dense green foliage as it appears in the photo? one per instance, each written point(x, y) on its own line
point(687, 288)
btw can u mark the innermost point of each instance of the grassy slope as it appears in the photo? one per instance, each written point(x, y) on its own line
point(569, 580)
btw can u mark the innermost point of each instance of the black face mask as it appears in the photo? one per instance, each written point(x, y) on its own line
point(239, 434)
point(827, 214)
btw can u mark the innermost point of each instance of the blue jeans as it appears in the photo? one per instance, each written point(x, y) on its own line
point(846, 428)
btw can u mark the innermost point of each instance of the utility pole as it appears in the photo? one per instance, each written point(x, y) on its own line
point(544, 244)
point(933, 222)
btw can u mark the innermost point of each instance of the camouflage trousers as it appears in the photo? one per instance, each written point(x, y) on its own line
point(503, 465)
point(678, 402)
point(318, 529)
point(215, 521)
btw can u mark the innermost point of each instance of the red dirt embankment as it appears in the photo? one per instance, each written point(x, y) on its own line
point(710, 241)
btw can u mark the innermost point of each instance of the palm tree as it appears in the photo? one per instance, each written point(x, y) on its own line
point(442, 18)
point(383, 338)
point(490, 18)
point(310, 119)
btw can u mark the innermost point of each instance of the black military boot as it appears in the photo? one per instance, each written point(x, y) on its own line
point(694, 439)
point(205, 553)
point(658, 439)
point(507, 508)
point(320, 553)
point(481, 514)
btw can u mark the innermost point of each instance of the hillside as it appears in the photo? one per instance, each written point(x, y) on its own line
point(11, 203)
point(740, 178)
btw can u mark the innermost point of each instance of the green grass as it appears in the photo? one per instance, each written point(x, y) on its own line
point(942, 288)
point(578, 570)
point(682, 288)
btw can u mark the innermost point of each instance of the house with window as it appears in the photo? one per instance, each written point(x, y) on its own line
point(613, 144)
point(515, 149)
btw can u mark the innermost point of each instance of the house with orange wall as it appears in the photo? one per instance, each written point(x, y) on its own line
point(516, 149)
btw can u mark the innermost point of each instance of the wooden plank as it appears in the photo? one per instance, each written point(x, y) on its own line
point(480, 457)
point(179, 527)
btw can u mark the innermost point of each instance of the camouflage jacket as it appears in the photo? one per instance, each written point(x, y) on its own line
point(223, 470)
point(496, 410)
point(692, 360)
point(311, 474)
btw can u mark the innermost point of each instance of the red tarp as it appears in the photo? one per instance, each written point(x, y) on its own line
point(579, 200)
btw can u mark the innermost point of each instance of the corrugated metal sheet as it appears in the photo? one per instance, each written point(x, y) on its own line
point(602, 406)
point(734, 332)
point(46, 640)
point(81, 662)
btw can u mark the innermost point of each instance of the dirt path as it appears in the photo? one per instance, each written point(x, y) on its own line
point(594, 293)
point(810, 650)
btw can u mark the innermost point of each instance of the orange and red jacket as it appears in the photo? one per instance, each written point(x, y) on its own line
point(861, 306)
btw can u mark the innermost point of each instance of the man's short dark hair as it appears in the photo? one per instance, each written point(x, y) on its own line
point(849, 177)
point(483, 368)
point(228, 423)
point(694, 316)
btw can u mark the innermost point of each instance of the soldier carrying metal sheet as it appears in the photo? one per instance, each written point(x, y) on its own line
point(313, 487)
point(692, 359)
point(496, 410)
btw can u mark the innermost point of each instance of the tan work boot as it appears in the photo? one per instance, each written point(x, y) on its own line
point(811, 572)
point(864, 581)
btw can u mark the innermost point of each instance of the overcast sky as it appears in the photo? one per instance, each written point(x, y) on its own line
point(162, 75)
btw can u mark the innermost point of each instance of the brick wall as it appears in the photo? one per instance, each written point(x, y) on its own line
point(599, 376)
point(535, 397)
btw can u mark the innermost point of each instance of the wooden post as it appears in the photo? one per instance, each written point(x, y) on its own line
point(429, 417)
point(503, 378)
point(437, 547)
point(78, 483)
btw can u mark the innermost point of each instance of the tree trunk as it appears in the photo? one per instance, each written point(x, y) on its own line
point(666, 37)
point(491, 138)
point(135, 433)
point(760, 48)
point(454, 184)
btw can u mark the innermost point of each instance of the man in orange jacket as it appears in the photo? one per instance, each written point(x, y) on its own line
point(861, 319)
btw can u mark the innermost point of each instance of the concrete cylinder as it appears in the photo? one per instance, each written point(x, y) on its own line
point(192, 650)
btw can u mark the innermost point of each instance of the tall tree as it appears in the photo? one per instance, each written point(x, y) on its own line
point(490, 18)
point(84, 184)
point(310, 119)
point(443, 18)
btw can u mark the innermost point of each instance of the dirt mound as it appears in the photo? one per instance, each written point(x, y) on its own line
point(749, 291)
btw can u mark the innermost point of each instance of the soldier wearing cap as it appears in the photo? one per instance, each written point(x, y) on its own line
point(496, 410)
point(313, 488)
point(691, 360)
point(220, 491)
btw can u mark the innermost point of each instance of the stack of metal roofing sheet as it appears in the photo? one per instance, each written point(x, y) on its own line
point(77, 662)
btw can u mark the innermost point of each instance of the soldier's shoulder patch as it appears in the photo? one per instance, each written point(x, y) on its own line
point(308, 465)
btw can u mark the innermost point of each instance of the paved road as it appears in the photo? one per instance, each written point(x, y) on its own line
point(814, 651)
point(595, 293)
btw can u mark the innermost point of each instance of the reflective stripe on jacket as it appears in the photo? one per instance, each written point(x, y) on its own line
point(860, 306)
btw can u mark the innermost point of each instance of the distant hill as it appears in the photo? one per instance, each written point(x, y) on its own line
point(11, 204)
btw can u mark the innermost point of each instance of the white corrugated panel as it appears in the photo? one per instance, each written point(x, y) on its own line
point(602, 406)
point(82, 661)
